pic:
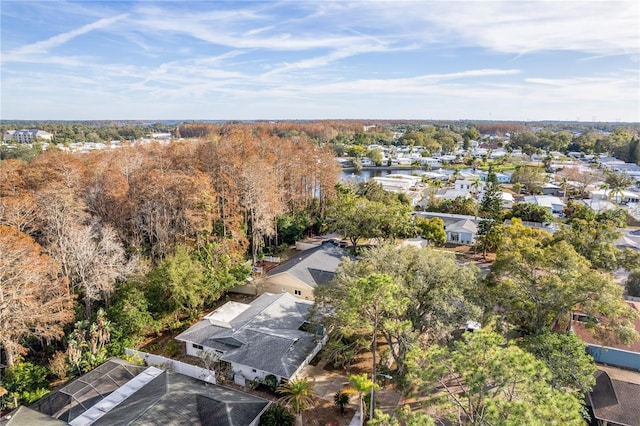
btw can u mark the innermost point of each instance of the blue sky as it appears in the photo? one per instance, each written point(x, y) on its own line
point(513, 60)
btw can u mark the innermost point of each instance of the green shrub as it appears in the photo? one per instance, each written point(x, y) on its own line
point(25, 377)
point(633, 284)
point(173, 348)
point(277, 415)
point(25, 383)
point(30, 397)
point(271, 382)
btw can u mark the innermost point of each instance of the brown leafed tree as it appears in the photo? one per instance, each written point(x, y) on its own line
point(56, 167)
point(11, 182)
point(218, 158)
point(34, 296)
point(168, 207)
point(19, 212)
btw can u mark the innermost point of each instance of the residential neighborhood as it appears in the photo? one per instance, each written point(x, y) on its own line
point(319, 213)
point(393, 257)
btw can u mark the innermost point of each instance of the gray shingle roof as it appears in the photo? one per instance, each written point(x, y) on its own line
point(27, 416)
point(268, 332)
point(464, 225)
point(615, 401)
point(314, 266)
point(169, 399)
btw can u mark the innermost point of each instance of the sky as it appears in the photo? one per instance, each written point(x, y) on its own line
point(271, 60)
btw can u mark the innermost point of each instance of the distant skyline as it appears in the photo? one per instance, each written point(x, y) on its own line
point(441, 60)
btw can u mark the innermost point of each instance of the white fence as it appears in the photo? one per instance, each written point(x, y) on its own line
point(175, 366)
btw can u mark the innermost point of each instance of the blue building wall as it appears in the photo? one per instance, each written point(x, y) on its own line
point(615, 357)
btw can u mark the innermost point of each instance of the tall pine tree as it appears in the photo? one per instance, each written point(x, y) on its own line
point(491, 213)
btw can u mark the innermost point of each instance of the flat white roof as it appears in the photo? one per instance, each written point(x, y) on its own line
point(226, 313)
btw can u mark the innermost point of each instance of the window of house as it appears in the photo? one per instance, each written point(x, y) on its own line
point(455, 236)
point(297, 292)
point(253, 370)
point(199, 347)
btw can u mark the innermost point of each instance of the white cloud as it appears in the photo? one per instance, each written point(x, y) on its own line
point(60, 39)
point(304, 59)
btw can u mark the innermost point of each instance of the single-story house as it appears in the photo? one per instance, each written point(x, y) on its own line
point(551, 189)
point(460, 229)
point(629, 239)
point(269, 336)
point(468, 185)
point(500, 177)
point(554, 204)
point(622, 197)
point(429, 161)
point(452, 194)
point(463, 231)
point(507, 200)
point(301, 273)
point(122, 393)
point(599, 206)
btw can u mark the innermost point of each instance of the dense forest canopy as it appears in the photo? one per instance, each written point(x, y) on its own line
point(113, 225)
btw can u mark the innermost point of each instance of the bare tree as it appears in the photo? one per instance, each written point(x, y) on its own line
point(91, 255)
point(34, 297)
point(583, 178)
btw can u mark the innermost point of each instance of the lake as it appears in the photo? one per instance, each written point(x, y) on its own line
point(367, 174)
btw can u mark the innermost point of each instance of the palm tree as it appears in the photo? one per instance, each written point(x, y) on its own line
point(297, 395)
point(563, 184)
point(341, 398)
point(607, 192)
point(434, 186)
point(475, 187)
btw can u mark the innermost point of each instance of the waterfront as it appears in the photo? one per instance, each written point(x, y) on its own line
point(371, 172)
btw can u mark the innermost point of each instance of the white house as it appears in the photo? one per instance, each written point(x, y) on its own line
point(599, 206)
point(554, 204)
point(622, 197)
point(267, 337)
point(462, 232)
point(403, 184)
point(507, 200)
point(430, 161)
point(460, 229)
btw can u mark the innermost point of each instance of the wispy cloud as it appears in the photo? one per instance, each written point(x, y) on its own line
point(305, 59)
point(60, 39)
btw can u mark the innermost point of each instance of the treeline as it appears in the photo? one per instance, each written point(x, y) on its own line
point(71, 132)
point(136, 240)
point(622, 143)
point(343, 136)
